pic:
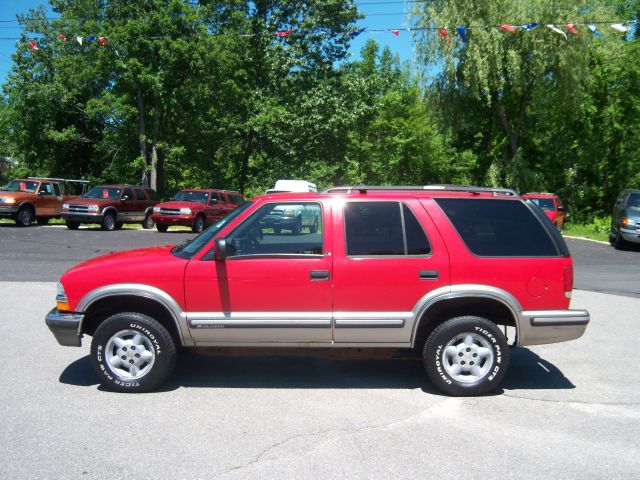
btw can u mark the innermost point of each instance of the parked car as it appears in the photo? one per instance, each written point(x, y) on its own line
point(293, 186)
point(625, 220)
point(111, 206)
point(460, 275)
point(551, 204)
point(27, 199)
point(195, 208)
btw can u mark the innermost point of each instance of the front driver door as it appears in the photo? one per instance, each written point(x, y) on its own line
point(272, 287)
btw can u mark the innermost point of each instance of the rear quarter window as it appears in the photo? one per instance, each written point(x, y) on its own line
point(498, 228)
point(235, 199)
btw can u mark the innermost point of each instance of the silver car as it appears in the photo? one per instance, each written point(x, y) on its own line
point(625, 220)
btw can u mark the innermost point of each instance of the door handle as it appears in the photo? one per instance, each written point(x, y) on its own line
point(319, 274)
point(429, 274)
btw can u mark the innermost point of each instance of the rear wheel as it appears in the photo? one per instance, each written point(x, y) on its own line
point(132, 352)
point(198, 224)
point(42, 220)
point(109, 222)
point(148, 222)
point(71, 225)
point(161, 227)
point(466, 356)
point(24, 217)
point(118, 225)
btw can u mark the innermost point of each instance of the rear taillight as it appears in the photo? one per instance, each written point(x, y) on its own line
point(568, 280)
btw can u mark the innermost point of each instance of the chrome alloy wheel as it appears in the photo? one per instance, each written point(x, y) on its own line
point(129, 354)
point(468, 357)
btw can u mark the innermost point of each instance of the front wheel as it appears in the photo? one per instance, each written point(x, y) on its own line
point(42, 220)
point(161, 227)
point(148, 222)
point(109, 222)
point(72, 225)
point(132, 352)
point(198, 224)
point(24, 217)
point(466, 356)
point(619, 243)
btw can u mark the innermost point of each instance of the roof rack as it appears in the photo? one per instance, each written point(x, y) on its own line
point(57, 179)
point(437, 187)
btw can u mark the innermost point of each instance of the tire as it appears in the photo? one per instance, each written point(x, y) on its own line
point(466, 356)
point(277, 230)
point(71, 225)
point(297, 227)
point(314, 227)
point(161, 227)
point(42, 220)
point(132, 352)
point(148, 222)
point(118, 225)
point(619, 243)
point(24, 217)
point(108, 222)
point(198, 224)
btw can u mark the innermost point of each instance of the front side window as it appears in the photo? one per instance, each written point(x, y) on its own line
point(383, 228)
point(45, 189)
point(191, 196)
point(235, 199)
point(110, 193)
point(544, 203)
point(127, 193)
point(498, 228)
point(279, 229)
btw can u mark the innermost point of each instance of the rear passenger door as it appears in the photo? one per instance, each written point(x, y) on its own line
point(387, 256)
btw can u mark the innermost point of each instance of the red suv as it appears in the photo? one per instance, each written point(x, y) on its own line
point(111, 206)
point(195, 208)
point(551, 205)
point(458, 274)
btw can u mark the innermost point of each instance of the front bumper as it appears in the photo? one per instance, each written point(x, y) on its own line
point(631, 235)
point(65, 326)
point(83, 217)
point(184, 220)
point(8, 211)
point(539, 327)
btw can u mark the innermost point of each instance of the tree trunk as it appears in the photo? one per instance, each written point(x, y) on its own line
point(156, 162)
point(244, 166)
point(143, 138)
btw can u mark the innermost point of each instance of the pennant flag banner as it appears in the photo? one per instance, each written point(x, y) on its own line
point(103, 41)
point(396, 33)
point(462, 31)
point(507, 27)
point(572, 28)
point(620, 27)
point(284, 33)
point(33, 45)
point(92, 38)
point(557, 30)
point(594, 30)
point(530, 26)
point(62, 37)
point(79, 39)
point(445, 35)
point(357, 32)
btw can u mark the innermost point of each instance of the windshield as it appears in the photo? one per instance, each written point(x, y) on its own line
point(634, 200)
point(544, 203)
point(108, 193)
point(191, 247)
point(191, 196)
point(21, 186)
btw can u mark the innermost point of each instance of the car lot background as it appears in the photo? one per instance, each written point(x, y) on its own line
point(565, 411)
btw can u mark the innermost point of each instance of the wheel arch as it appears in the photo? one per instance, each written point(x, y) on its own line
point(110, 209)
point(103, 302)
point(492, 303)
point(29, 205)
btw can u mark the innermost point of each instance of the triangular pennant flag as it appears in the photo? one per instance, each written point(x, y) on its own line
point(445, 35)
point(62, 37)
point(284, 33)
point(572, 28)
point(79, 39)
point(462, 31)
point(530, 26)
point(103, 41)
point(620, 27)
point(355, 33)
point(33, 45)
point(395, 32)
point(557, 30)
point(91, 38)
point(594, 30)
point(507, 27)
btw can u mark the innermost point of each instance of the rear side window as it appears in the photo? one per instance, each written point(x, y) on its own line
point(153, 194)
point(383, 228)
point(235, 199)
point(498, 228)
point(140, 194)
point(56, 189)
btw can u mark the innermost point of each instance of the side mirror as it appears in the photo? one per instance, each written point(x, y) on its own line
point(561, 208)
point(220, 245)
point(125, 198)
point(213, 201)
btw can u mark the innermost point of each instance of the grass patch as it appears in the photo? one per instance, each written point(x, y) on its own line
point(598, 229)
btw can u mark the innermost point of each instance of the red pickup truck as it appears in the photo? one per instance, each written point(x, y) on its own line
point(459, 275)
point(27, 199)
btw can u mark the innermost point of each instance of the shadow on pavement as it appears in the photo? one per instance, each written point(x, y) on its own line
point(196, 370)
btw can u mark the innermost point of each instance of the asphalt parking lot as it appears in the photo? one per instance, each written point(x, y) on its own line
point(569, 410)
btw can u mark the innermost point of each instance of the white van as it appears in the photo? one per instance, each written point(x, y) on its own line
point(293, 186)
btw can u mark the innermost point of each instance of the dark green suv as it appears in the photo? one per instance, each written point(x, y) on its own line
point(625, 221)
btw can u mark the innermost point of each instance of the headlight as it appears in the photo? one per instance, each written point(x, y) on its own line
point(8, 200)
point(185, 211)
point(62, 303)
point(93, 208)
point(156, 209)
point(627, 222)
point(65, 206)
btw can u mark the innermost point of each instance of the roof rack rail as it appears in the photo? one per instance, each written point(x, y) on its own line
point(436, 187)
point(58, 179)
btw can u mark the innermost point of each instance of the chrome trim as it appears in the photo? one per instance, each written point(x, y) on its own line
point(545, 318)
point(140, 290)
point(259, 320)
point(371, 319)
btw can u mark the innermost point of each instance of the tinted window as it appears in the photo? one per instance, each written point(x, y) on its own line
point(544, 203)
point(128, 193)
point(235, 199)
point(417, 243)
point(112, 193)
point(373, 228)
point(56, 189)
point(634, 200)
point(215, 196)
point(45, 189)
point(279, 229)
point(140, 194)
point(191, 196)
point(498, 228)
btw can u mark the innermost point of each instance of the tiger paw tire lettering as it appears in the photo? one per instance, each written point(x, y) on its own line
point(132, 352)
point(466, 356)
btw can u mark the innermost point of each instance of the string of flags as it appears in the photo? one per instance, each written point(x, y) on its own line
point(463, 31)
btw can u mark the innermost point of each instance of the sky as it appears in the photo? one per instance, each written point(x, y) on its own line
point(381, 15)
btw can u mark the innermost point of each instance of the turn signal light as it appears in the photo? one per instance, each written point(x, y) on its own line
point(63, 306)
point(568, 280)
